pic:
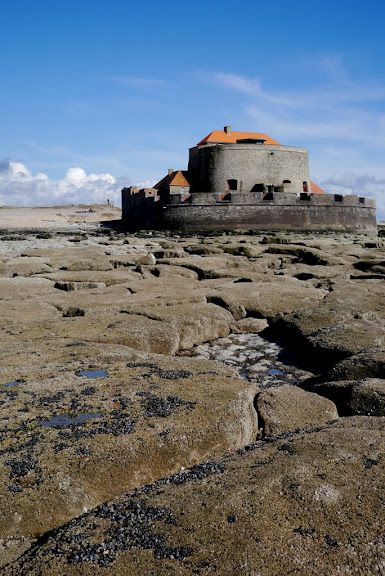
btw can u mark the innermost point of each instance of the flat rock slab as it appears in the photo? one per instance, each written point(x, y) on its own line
point(267, 299)
point(305, 504)
point(74, 440)
point(287, 408)
point(24, 288)
point(361, 397)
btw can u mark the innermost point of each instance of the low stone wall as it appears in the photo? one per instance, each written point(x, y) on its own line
point(270, 216)
point(229, 211)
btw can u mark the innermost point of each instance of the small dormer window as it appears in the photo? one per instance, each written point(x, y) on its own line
point(251, 141)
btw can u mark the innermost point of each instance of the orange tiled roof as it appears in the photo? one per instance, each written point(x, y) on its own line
point(221, 136)
point(316, 189)
point(176, 178)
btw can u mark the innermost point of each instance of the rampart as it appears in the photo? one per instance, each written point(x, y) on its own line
point(255, 210)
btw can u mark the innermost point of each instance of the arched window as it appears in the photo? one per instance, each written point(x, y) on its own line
point(305, 187)
point(287, 181)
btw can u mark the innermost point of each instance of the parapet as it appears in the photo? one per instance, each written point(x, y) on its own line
point(253, 210)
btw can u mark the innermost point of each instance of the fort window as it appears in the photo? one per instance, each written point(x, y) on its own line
point(287, 182)
point(258, 188)
point(304, 196)
point(361, 200)
point(338, 198)
point(305, 186)
point(232, 184)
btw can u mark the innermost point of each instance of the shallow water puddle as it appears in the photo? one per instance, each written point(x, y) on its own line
point(13, 384)
point(256, 359)
point(64, 421)
point(92, 373)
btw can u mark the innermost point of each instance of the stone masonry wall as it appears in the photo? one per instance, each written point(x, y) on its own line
point(211, 166)
point(265, 216)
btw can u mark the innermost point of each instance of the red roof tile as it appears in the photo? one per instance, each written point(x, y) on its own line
point(316, 189)
point(221, 136)
point(176, 178)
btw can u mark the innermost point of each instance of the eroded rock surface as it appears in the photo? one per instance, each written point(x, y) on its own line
point(309, 503)
point(156, 364)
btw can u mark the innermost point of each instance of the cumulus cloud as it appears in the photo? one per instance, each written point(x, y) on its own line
point(20, 187)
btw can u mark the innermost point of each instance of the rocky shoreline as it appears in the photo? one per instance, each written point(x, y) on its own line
point(191, 404)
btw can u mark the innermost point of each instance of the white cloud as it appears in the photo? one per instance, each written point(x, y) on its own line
point(19, 187)
point(360, 185)
point(339, 110)
point(341, 120)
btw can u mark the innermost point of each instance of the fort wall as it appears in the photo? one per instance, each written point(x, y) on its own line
point(211, 167)
point(236, 211)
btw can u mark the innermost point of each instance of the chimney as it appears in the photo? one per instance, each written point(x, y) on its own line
point(227, 129)
point(170, 171)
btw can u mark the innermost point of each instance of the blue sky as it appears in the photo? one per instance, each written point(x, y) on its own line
point(98, 94)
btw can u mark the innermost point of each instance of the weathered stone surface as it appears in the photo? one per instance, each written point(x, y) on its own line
point(147, 260)
point(266, 300)
point(203, 249)
point(350, 320)
point(249, 326)
point(194, 323)
point(74, 258)
point(360, 397)
point(25, 312)
point(273, 508)
point(306, 255)
point(69, 445)
point(287, 408)
point(70, 286)
point(118, 276)
point(368, 362)
point(24, 288)
point(368, 398)
point(25, 266)
point(306, 504)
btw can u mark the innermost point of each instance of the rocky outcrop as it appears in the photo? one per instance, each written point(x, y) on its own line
point(235, 461)
point(308, 503)
point(287, 408)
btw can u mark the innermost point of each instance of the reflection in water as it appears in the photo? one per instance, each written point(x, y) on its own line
point(14, 383)
point(92, 373)
point(63, 420)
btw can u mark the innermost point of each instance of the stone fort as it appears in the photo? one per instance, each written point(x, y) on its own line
point(244, 180)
